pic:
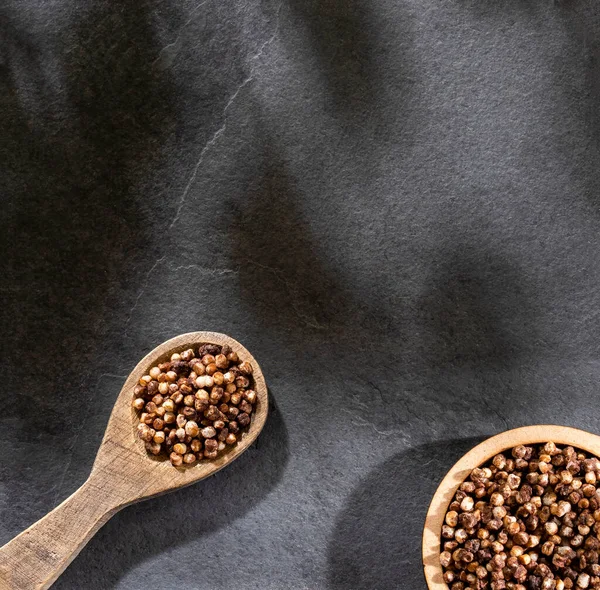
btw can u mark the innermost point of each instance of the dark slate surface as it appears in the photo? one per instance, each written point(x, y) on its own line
point(393, 203)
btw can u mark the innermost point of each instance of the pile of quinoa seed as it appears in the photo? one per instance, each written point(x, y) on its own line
point(527, 520)
point(195, 405)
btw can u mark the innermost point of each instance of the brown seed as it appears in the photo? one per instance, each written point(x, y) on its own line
point(451, 518)
point(449, 577)
point(521, 539)
point(246, 407)
point(519, 452)
point(208, 432)
point(513, 528)
point(221, 361)
point(583, 580)
point(176, 459)
point(153, 447)
point(201, 405)
point(189, 413)
point(145, 432)
point(192, 429)
point(186, 388)
point(201, 382)
point(212, 413)
point(211, 445)
point(215, 395)
point(139, 403)
point(499, 461)
point(562, 508)
point(445, 558)
point(250, 396)
point(242, 382)
point(180, 448)
point(516, 552)
point(547, 548)
point(209, 349)
point(566, 477)
point(525, 559)
point(202, 395)
point(169, 405)
point(245, 367)
point(189, 458)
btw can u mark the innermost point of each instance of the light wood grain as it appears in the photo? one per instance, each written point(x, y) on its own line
point(474, 458)
point(123, 473)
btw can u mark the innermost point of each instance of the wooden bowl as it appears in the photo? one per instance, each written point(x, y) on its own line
point(477, 456)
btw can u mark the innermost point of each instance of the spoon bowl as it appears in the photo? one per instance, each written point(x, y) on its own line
point(123, 473)
point(477, 456)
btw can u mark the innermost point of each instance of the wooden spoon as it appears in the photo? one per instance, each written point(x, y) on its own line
point(123, 473)
point(474, 458)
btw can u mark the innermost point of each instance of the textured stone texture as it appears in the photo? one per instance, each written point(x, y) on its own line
point(393, 203)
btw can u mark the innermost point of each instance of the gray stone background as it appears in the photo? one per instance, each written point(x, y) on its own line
point(392, 203)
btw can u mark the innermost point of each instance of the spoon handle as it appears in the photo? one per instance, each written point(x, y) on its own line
point(35, 558)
